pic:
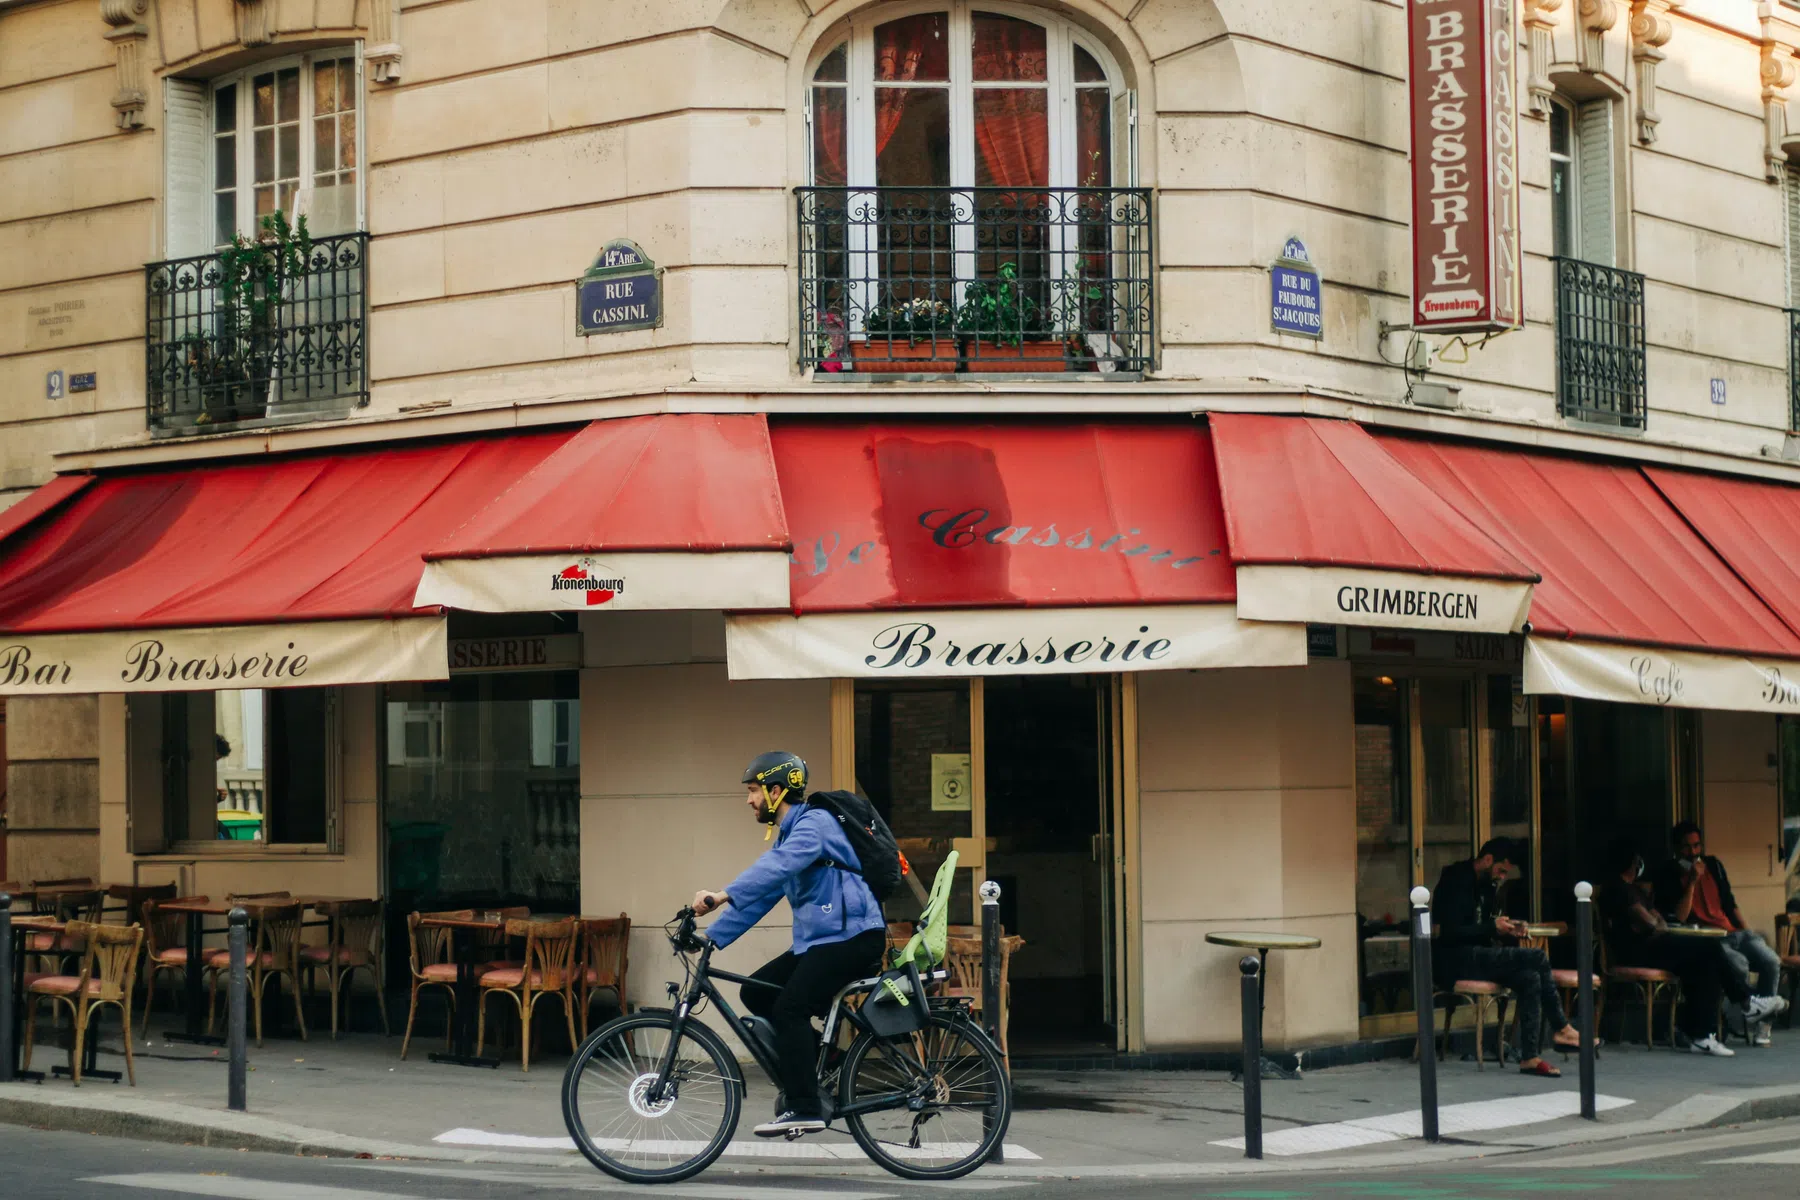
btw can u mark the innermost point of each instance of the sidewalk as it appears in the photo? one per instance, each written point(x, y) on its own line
point(354, 1097)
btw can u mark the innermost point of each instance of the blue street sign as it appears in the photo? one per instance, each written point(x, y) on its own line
point(53, 385)
point(1296, 302)
point(1718, 391)
point(621, 291)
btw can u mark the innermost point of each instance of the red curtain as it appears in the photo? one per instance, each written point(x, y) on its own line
point(899, 53)
point(1012, 137)
point(829, 168)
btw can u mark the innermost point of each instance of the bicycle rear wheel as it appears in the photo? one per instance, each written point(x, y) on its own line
point(952, 1100)
point(620, 1129)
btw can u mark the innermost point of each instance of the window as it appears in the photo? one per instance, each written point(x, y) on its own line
point(1581, 187)
point(286, 136)
point(242, 766)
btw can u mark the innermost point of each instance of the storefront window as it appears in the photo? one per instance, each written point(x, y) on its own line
point(1506, 741)
point(1384, 843)
point(240, 766)
point(483, 795)
point(1446, 737)
point(1789, 730)
point(913, 762)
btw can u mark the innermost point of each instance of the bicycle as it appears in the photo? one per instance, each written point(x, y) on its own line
point(655, 1096)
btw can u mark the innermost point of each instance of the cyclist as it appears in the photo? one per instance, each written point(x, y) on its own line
point(839, 930)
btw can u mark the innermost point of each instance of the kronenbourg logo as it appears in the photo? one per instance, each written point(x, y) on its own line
point(589, 577)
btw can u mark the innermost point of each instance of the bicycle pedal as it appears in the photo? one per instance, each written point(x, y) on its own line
point(794, 1135)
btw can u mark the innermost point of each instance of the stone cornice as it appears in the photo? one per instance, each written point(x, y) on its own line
point(1540, 23)
point(128, 31)
point(1651, 29)
point(382, 54)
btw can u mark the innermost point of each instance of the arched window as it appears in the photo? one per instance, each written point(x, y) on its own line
point(972, 95)
point(968, 167)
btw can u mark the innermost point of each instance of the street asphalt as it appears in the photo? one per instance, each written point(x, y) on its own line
point(1757, 1159)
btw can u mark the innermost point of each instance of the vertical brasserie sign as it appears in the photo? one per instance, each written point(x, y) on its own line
point(1465, 165)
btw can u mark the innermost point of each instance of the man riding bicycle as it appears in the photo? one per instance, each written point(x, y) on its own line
point(839, 930)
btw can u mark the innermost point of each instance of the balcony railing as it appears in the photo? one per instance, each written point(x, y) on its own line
point(1599, 343)
point(937, 280)
point(1794, 368)
point(288, 343)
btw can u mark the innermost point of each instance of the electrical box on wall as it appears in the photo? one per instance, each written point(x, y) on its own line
point(1437, 395)
point(1418, 354)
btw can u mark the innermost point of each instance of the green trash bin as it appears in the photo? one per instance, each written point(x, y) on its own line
point(415, 853)
point(236, 825)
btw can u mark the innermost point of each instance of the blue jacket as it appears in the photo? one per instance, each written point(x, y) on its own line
point(829, 905)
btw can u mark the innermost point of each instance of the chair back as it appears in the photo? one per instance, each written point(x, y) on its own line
point(136, 897)
point(111, 957)
point(82, 907)
point(549, 950)
point(356, 924)
point(1785, 931)
point(164, 931)
point(278, 933)
point(428, 946)
point(493, 944)
point(605, 945)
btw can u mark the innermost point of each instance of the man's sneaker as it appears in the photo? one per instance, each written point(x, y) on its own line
point(1706, 1045)
point(1761, 1008)
point(1760, 1035)
point(791, 1122)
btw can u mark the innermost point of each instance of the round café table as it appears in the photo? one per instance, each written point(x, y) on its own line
point(1262, 943)
point(1699, 931)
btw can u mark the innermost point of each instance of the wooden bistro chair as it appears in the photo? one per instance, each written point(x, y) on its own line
point(493, 951)
point(962, 958)
point(431, 959)
point(275, 952)
point(165, 949)
point(604, 955)
point(548, 970)
point(353, 944)
point(108, 971)
point(1651, 983)
point(1787, 948)
point(75, 908)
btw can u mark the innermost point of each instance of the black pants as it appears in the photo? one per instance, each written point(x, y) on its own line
point(1705, 975)
point(808, 983)
point(1527, 974)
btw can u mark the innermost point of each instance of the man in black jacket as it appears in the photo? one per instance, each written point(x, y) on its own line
point(1693, 889)
point(1470, 928)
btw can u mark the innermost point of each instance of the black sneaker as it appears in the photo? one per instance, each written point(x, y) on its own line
point(790, 1122)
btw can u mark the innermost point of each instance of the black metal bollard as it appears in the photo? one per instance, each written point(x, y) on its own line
point(237, 1012)
point(1584, 964)
point(1422, 1001)
point(990, 983)
point(7, 1049)
point(1250, 999)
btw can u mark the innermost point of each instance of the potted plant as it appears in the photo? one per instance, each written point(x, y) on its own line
point(907, 335)
point(253, 279)
point(1006, 329)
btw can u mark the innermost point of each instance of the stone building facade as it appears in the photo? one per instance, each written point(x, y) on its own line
point(471, 157)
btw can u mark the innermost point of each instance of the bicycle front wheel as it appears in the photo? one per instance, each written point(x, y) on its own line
point(950, 1098)
point(631, 1134)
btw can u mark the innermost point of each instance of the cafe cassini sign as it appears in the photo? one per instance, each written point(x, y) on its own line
point(1465, 165)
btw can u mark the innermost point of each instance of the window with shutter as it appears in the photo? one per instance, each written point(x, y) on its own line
point(1594, 186)
point(185, 156)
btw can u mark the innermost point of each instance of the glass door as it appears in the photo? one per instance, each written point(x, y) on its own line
point(1384, 844)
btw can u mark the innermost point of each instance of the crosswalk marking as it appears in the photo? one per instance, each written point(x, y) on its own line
point(1773, 1158)
point(780, 1148)
point(229, 1187)
point(1472, 1117)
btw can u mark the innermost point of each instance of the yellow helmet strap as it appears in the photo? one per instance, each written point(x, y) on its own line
point(772, 797)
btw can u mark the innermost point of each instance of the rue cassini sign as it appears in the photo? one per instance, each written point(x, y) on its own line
point(1465, 165)
point(621, 291)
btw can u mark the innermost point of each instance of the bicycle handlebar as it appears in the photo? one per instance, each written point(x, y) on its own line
point(684, 938)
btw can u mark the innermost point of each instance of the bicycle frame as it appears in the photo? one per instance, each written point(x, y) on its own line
point(703, 987)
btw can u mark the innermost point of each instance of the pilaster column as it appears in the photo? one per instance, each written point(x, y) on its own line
point(1777, 77)
point(1540, 22)
point(382, 55)
point(1650, 32)
point(128, 33)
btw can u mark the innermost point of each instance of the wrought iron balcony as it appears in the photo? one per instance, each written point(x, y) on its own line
point(938, 280)
point(231, 341)
point(1599, 343)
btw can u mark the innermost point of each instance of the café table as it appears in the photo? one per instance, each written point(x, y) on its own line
point(1699, 931)
point(1262, 942)
point(197, 910)
point(21, 927)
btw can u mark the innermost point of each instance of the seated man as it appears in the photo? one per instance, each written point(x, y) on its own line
point(1470, 926)
point(1693, 889)
point(1638, 936)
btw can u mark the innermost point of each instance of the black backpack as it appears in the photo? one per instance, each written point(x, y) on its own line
point(869, 836)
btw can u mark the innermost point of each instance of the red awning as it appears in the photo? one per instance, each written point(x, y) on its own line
point(669, 511)
point(313, 557)
point(1634, 606)
point(1753, 525)
point(1325, 525)
point(44, 500)
point(943, 548)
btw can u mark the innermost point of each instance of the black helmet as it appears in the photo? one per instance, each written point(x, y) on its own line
point(779, 769)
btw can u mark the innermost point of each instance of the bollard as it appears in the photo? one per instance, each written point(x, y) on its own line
point(1422, 1001)
point(1250, 1000)
point(990, 984)
point(237, 1014)
point(6, 989)
point(1584, 964)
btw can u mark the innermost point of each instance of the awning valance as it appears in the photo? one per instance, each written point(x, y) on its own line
point(294, 571)
point(1325, 525)
point(669, 511)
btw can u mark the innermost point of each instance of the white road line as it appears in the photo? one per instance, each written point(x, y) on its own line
point(584, 1179)
point(800, 1151)
point(1473, 1117)
point(229, 1188)
point(1774, 1158)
